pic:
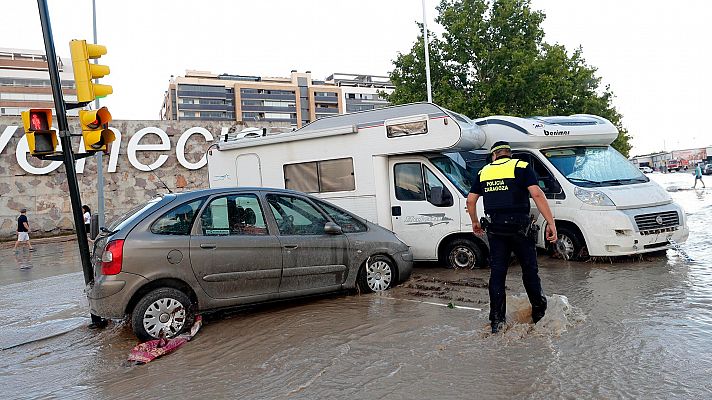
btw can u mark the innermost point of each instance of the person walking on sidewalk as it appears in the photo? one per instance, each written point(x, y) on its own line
point(698, 175)
point(23, 230)
point(87, 218)
point(505, 185)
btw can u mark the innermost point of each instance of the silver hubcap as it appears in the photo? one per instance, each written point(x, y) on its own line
point(565, 247)
point(378, 276)
point(167, 315)
point(462, 257)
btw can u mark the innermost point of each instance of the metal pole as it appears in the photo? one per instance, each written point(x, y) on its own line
point(99, 155)
point(66, 146)
point(426, 44)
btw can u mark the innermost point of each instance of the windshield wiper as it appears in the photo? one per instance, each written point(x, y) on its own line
point(622, 181)
point(584, 180)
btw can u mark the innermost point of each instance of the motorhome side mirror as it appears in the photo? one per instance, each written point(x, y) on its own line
point(440, 197)
point(331, 228)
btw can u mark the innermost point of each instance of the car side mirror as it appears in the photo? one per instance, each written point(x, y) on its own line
point(331, 228)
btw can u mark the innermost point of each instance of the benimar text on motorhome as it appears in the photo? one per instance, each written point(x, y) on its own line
point(403, 168)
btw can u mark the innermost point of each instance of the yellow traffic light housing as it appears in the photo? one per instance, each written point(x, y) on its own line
point(84, 71)
point(41, 139)
point(95, 129)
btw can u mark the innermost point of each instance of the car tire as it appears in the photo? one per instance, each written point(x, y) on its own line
point(377, 274)
point(165, 309)
point(464, 254)
point(573, 242)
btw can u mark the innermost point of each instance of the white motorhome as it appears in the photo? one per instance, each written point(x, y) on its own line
point(403, 167)
point(385, 165)
point(603, 204)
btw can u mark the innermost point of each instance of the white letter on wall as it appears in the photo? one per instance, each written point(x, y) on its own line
point(180, 147)
point(21, 152)
point(134, 146)
point(114, 152)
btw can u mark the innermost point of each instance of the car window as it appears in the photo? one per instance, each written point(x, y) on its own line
point(296, 216)
point(236, 214)
point(347, 222)
point(178, 220)
point(409, 182)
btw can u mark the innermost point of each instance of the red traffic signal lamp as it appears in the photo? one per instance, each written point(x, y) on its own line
point(41, 139)
point(95, 129)
point(84, 71)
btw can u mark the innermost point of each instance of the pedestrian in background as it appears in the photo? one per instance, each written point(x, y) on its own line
point(698, 175)
point(23, 230)
point(506, 184)
point(87, 218)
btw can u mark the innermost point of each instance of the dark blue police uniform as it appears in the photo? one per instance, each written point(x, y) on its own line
point(503, 184)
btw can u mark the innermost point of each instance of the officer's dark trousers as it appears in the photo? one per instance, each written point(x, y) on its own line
point(501, 248)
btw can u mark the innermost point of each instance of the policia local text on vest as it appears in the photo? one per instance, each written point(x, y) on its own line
point(505, 185)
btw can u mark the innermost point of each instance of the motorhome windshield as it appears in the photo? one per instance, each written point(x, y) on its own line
point(594, 166)
point(454, 172)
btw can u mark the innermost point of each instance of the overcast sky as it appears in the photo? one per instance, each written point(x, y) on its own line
point(654, 54)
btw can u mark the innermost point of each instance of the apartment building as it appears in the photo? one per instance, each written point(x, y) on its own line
point(296, 100)
point(362, 92)
point(24, 81)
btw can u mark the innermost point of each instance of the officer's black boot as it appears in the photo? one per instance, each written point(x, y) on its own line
point(497, 326)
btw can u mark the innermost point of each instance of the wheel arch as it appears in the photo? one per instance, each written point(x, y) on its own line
point(445, 241)
point(562, 223)
point(160, 283)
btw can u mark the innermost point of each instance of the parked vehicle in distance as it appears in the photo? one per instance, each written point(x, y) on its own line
point(185, 253)
point(646, 169)
point(674, 165)
point(707, 170)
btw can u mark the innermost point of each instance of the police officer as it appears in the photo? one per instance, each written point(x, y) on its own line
point(506, 184)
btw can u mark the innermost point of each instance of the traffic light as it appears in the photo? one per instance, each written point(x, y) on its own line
point(95, 129)
point(84, 71)
point(41, 139)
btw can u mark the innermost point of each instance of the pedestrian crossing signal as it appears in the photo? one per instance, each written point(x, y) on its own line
point(41, 139)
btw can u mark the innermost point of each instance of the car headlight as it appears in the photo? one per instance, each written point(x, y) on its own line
point(593, 197)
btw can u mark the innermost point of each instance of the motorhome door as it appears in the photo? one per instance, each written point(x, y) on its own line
point(249, 172)
point(423, 209)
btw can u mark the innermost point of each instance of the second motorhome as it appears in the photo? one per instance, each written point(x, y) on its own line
point(404, 167)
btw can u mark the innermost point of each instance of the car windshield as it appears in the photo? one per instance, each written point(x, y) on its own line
point(454, 172)
point(594, 166)
point(128, 216)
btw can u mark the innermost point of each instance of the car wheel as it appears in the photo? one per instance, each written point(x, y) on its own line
point(570, 245)
point(377, 274)
point(464, 254)
point(165, 310)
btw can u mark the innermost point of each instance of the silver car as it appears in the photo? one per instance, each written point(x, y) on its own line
point(181, 254)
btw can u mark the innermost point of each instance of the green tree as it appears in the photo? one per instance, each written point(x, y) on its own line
point(492, 59)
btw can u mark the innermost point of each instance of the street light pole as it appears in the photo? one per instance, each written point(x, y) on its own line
point(99, 154)
point(426, 45)
point(67, 154)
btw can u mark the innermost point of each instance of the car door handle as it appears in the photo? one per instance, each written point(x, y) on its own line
point(291, 246)
point(208, 246)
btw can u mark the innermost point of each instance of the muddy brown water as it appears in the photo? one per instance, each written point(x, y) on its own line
point(635, 328)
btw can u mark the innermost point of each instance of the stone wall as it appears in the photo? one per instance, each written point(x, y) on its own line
point(46, 195)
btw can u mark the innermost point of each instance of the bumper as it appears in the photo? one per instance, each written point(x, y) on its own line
point(404, 263)
point(109, 295)
point(615, 233)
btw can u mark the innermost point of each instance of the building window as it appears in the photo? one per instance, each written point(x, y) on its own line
point(320, 176)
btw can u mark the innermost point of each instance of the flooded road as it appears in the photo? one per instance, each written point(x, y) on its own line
point(633, 329)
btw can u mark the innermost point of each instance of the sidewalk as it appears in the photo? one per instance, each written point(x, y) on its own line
point(51, 239)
